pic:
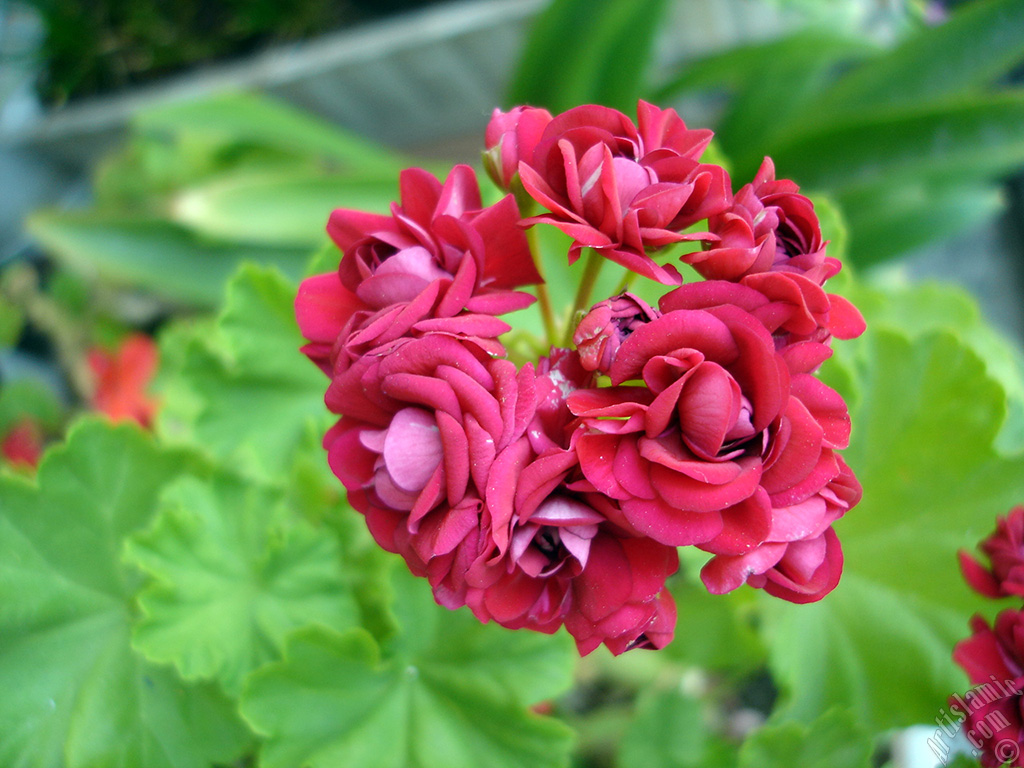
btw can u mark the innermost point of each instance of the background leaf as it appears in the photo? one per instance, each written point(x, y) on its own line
point(431, 701)
point(970, 50)
point(74, 692)
point(910, 141)
point(723, 636)
point(966, 139)
point(926, 415)
point(834, 740)
point(162, 257)
point(579, 52)
point(283, 209)
point(893, 219)
point(248, 119)
point(670, 730)
point(246, 394)
point(233, 573)
point(741, 67)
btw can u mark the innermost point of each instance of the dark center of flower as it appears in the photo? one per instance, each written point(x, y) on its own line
point(549, 543)
point(790, 241)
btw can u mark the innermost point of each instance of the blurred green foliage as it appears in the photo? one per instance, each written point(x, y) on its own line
point(202, 186)
point(206, 594)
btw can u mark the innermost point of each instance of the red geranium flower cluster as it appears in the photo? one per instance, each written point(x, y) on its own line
point(993, 656)
point(541, 495)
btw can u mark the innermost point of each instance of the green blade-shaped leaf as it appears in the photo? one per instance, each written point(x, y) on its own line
point(334, 701)
point(248, 119)
point(277, 209)
point(763, 108)
point(834, 740)
point(157, 255)
point(582, 52)
point(233, 573)
point(888, 220)
point(975, 46)
point(771, 83)
point(966, 140)
point(74, 692)
point(247, 394)
point(741, 67)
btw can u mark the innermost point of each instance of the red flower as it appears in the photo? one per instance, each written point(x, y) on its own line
point(1005, 551)
point(439, 232)
point(439, 264)
point(620, 598)
point(768, 227)
point(22, 446)
point(722, 446)
point(617, 187)
point(801, 559)
point(791, 307)
point(120, 380)
point(601, 332)
point(531, 495)
point(564, 545)
point(993, 658)
point(508, 134)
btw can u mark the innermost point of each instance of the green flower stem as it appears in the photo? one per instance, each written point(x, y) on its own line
point(591, 270)
point(543, 297)
point(627, 280)
point(70, 340)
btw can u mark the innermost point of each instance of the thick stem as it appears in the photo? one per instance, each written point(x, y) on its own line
point(591, 270)
point(21, 288)
point(627, 280)
point(547, 314)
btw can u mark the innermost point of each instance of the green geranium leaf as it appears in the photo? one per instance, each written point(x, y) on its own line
point(74, 692)
point(450, 692)
point(962, 761)
point(234, 571)
point(925, 420)
point(318, 496)
point(531, 666)
point(834, 228)
point(247, 394)
point(834, 740)
point(669, 730)
point(919, 309)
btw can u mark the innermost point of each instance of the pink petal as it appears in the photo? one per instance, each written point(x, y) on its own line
point(412, 448)
point(670, 525)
